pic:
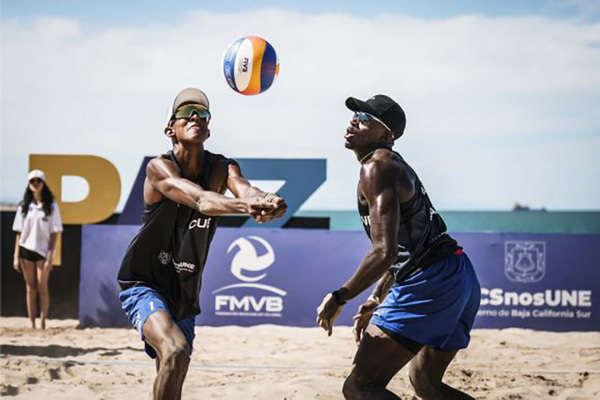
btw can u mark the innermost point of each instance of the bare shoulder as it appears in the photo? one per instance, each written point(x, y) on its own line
point(160, 166)
point(384, 164)
point(386, 170)
point(162, 159)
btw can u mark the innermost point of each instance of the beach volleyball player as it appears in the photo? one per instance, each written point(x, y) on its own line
point(161, 273)
point(427, 293)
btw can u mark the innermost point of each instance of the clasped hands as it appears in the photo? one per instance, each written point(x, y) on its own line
point(267, 208)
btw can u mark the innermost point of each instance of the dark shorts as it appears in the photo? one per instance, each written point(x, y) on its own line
point(29, 255)
point(140, 302)
point(435, 307)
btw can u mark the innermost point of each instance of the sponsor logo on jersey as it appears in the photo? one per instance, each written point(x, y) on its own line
point(183, 266)
point(200, 223)
point(164, 257)
point(366, 220)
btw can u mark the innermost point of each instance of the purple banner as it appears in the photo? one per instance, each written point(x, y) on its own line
point(279, 276)
point(545, 282)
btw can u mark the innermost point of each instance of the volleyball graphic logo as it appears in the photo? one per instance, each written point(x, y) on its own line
point(250, 65)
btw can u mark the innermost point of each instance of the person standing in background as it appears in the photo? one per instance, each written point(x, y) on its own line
point(37, 223)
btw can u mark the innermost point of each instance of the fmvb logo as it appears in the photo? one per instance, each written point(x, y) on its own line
point(525, 262)
point(248, 298)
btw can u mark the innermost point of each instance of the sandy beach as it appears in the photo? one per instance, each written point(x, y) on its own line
point(274, 362)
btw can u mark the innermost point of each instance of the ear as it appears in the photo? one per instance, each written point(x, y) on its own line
point(388, 136)
point(169, 132)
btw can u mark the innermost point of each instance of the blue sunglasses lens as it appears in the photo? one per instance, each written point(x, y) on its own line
point(363, 118)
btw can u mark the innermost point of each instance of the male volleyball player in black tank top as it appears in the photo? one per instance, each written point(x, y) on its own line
point(424, 304)
point(161, 273)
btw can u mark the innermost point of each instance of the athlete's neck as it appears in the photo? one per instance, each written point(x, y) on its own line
point(364, 155)
point(190, 158)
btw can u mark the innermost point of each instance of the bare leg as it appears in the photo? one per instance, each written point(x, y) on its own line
point(377, 360)
point(426, 372)
point(42, 277)
point(32, 289)
point(173, 354)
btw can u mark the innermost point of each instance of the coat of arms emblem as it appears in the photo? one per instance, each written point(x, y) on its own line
point(525, 261)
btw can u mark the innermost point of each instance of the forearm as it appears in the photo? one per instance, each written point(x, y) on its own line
point(253, 191)
point(375, 264)
point(16, 252)
point(51, 246)
point(383, 286)
point(211, 203)
point(207, 202)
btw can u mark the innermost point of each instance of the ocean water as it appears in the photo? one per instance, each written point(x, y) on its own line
point(488, 221)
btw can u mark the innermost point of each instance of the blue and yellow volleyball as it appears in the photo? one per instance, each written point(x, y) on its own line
point(250, 65)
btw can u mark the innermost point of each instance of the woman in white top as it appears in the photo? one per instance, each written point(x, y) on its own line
point(37, 222)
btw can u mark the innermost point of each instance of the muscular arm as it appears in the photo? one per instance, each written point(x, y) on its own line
point(241, 188)
point(239, 185)
point(163, 180)
point(378, 186)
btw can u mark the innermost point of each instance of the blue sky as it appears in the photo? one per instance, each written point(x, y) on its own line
point(139, 11)
point(501, 96)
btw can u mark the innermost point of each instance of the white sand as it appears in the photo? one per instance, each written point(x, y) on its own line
point(272, 362)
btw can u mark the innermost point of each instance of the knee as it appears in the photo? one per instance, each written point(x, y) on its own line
point(353, 388)
point(32, 287)
point(42, 288)
point(176, 357)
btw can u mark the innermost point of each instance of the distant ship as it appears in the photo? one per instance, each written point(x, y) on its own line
point(521, 207)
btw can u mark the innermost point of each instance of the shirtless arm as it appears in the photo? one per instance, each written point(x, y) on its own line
point(384, 215)
point(163, 180)
point(241, 188)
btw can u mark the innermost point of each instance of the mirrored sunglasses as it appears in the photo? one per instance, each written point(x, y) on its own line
point(367, 119)
point(189, 110)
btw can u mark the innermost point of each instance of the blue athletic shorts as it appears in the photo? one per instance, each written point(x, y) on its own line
point(140, 302)
point(435, 307)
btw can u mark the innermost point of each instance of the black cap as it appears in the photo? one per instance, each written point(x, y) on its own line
point(383, 108)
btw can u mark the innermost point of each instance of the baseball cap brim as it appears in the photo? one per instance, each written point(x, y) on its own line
point(36, 173)
point(355, 104)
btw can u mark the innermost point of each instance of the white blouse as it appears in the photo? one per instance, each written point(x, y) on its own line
point(36, 227)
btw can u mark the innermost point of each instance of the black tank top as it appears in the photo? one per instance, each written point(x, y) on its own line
point(169, 251)
point(422, 237)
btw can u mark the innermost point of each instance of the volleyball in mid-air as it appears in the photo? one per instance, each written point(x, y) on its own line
point(250, 65)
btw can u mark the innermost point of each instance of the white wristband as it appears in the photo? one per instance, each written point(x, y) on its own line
point(374, 298)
